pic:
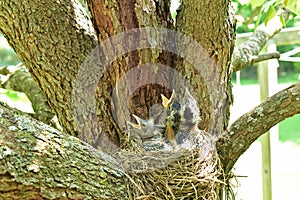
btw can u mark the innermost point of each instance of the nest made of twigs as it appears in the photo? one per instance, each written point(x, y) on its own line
point(181, 173)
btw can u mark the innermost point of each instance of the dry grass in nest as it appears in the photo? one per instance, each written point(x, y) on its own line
point(194, 173)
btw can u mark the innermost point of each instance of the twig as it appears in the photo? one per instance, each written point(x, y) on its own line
point(263, 57)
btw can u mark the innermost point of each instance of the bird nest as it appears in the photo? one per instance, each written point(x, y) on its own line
point(192, 172)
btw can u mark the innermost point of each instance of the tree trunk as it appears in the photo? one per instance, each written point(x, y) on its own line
point(110, 19)
point(211, 24)
point(93, 89)
point(52, 39)
point(66, 55)
point(210, 83)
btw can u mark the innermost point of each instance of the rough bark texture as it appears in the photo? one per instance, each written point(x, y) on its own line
point(245, 130)
point(211, 24)
point(38, 162)
point(60, 59)
point(52, 38)
point(111, 18)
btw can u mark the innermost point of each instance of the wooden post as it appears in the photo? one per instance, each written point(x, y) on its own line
point(238, 78)
point(265, 139)
point(274, 131)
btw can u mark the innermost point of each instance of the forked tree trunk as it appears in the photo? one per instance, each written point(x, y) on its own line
point(209, 24)
point(53, 39)
point(53, 48)
point(93, 98)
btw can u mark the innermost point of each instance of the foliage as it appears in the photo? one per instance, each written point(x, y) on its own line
point(292, 5)
point(16, 99)
point(251, 13)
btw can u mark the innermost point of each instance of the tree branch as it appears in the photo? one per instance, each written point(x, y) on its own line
point(263, 57)
point(42, 163)
point(242, 55)
point(245, 130)
point(22, 81)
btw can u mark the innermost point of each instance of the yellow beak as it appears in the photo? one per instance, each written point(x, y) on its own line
point(165, 101)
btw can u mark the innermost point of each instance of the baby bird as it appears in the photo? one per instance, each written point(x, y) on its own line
point(145, 129)
point(146, 134)
point(180, 123)
point(191, 112)
point(173, 119)
point(183, 116)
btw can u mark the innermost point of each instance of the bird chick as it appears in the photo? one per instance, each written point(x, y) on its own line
point(191, 112)
point(145, 129)
point(183, 116)
point(172, 107)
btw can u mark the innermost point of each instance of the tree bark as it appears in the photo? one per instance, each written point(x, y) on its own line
point(22, 81)
point(39, 162)
point(67, 54)
point(211, 24)
point(52, 39)
point(111, 18)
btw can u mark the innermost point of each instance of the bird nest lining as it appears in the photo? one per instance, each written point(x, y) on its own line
point(193, 173)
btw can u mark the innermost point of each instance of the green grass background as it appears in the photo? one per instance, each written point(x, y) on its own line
point(289, 130)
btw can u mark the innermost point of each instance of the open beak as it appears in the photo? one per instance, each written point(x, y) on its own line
point(165, 101)
point(138, 125)
point(170, 133)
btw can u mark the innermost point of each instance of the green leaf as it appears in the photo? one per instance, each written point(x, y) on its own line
point(292, 5)
point(282, 20)
point(255, 3)
point(270, 14)
point(13, 95)
point(257, 21)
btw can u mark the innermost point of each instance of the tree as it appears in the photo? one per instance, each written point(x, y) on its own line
point(54, 40)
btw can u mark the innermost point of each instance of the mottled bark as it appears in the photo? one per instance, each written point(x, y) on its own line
point(214, 96)
point(111, 18)
point(245, 130)
point(211, 24)
point(39, 162)
point(52, 38)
